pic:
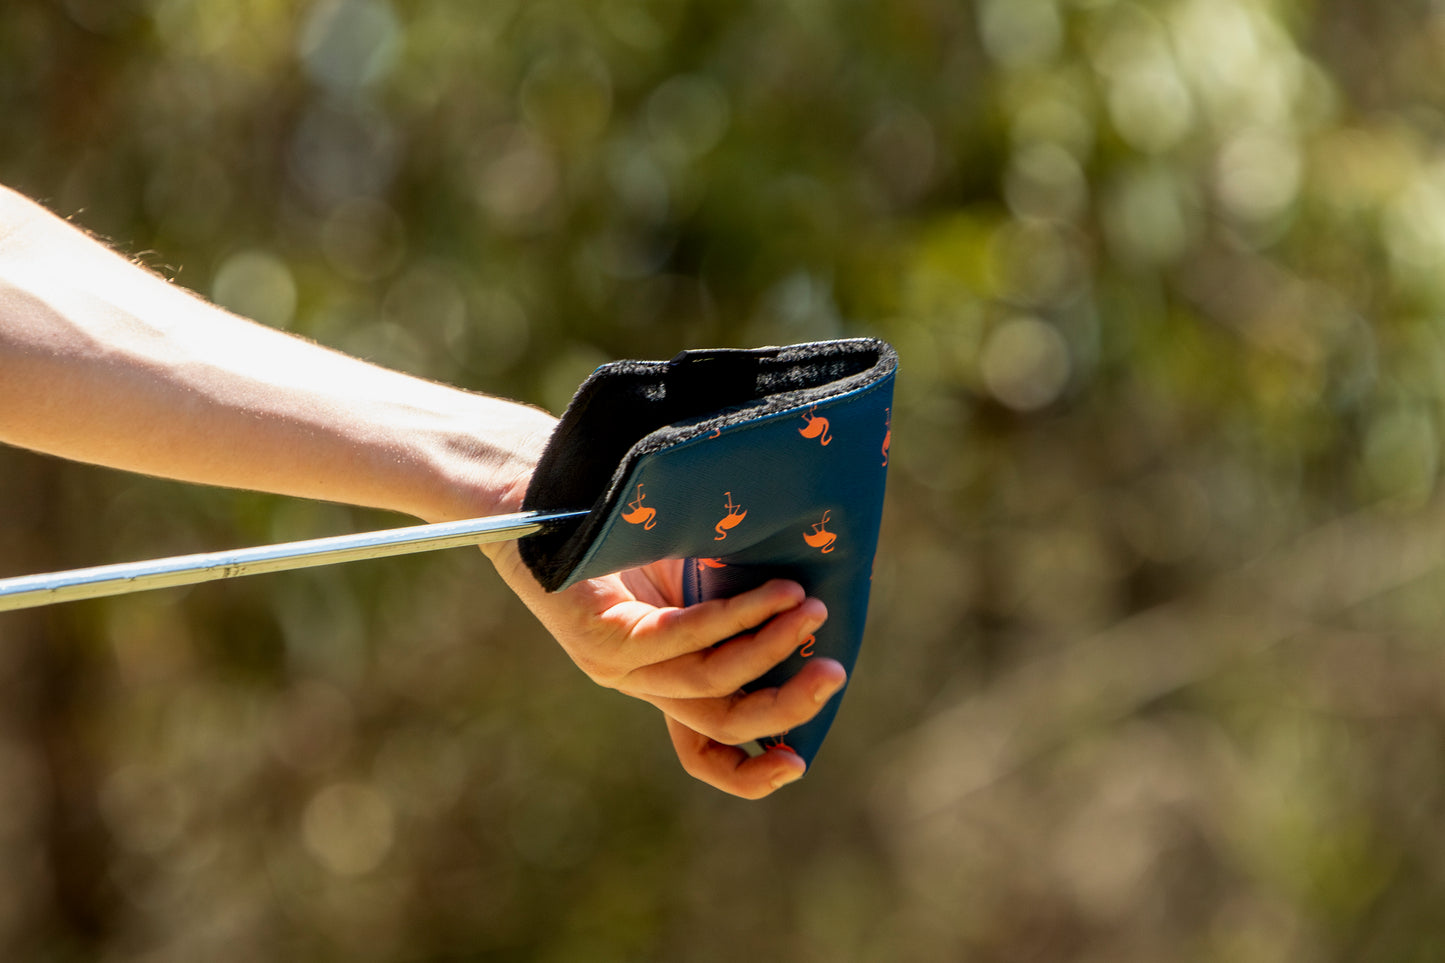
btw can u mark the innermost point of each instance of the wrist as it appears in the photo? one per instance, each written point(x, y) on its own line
point(480, 459)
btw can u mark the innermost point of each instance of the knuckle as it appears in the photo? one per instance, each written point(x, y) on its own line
point(599, 671)
point(713, 726)
point(730, 734)
point(673, 622)
point(738, 614)
point(693, 766)
point(712, 682)
point(717, 689)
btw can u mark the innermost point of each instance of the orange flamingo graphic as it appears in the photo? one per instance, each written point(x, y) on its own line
point(638, 514)
point(712, 562)
point(735, 515)
point(816, 427)
point(776, 742)
point(820, 538)
point(888, 434)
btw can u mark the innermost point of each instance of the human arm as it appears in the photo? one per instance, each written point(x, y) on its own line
point(104, 362)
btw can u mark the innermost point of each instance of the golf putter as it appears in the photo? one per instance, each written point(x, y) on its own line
point(748, 464)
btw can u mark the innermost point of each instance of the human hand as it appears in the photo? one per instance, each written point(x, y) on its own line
point(630, 632)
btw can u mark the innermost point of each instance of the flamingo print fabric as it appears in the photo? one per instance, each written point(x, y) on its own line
point(774, 469)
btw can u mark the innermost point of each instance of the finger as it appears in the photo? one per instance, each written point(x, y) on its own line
point(662, 634)
point(729, 768)
point(766, 712)
point(721, 670)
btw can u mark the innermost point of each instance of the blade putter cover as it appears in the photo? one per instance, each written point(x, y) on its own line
point(748, 464)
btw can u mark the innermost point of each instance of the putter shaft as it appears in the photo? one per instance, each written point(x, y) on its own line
point(28, 591)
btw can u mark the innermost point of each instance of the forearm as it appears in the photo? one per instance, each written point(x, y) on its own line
point(101, 361)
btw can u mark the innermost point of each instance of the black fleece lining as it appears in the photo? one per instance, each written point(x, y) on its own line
point(628, 409)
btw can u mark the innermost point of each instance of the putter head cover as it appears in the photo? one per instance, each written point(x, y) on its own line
point(747, 464)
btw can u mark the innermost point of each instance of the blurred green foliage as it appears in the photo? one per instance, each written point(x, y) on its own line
point(1154, 668)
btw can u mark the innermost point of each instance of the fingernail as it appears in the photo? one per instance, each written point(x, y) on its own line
point(808, 628)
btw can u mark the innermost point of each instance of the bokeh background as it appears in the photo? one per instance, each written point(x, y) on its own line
point(1155, 668)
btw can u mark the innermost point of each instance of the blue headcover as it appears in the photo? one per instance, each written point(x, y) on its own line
point(748, 464)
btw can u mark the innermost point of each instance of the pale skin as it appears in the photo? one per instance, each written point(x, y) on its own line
point(104, 362)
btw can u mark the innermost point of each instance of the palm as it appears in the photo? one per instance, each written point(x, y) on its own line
point(658, 584)
point(630, 632)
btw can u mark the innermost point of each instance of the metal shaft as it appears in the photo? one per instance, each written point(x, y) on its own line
point(28, 591)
